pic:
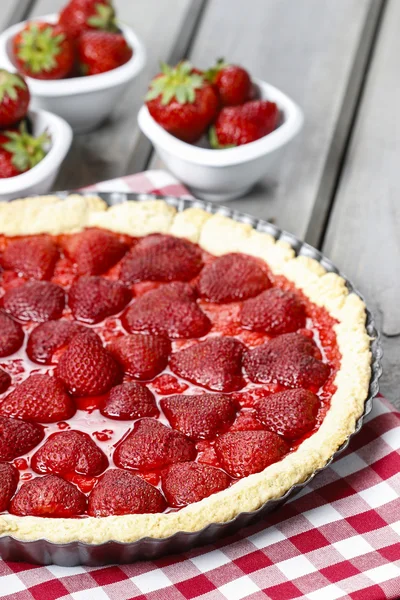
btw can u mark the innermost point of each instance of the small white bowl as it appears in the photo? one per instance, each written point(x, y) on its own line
point(220, 175)
point(40, 179)
point(85, 102)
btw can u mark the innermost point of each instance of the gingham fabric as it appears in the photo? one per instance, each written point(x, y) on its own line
point(339, 538)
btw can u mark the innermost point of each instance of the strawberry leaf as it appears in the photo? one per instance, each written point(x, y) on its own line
point(179, 83)
point(214, 142)
point(9, 83)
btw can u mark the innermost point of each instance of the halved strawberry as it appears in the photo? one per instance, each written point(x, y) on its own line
point(92, 299)
point(199, 417)
point(5, 381)
point(289, 360)
point(188, 482)
point(152, 445)
point(39, 398)
point(129, 401)
point(37, 301)
point(81, 15)
point(245, 452)
point(232, 277)
point(170, 310)
point(215, 364)
point(161, 258)
point(43, 51)
point(274, 312)
point(291, 413)
point(86, 368)
point(119, 492)
point(33, 257)
point(246, 421)
point(141, 356)
point(48, 496)
point(49, 337)
point(11, 335)
point(8, 484)
point(94, 251)
point(18, 437)
point(67, 452)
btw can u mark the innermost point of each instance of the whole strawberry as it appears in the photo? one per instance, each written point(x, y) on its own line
point(182, 101)
point(43, 51)
point(238, 125)
point(232, 82)
point(14, 98)
point(20, 151)
point(81, 15)
point(101, 51)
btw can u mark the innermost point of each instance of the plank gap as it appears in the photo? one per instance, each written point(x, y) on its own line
point(320, 216)
point(143, 152)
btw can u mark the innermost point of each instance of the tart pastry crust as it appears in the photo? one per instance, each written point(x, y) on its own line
point(218, 235)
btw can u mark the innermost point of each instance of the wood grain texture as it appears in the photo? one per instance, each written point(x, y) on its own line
point(308, 49)
point(12, 11)
point(363, 236)
point(105, 153)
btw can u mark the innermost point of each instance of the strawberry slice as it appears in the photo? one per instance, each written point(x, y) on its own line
point(18, 437)
point(141, 356)
point(129, 401)
point(288, 359)
point(291, 413)
point(215, 364)
point(161, 258)
point(92, 299)
point(8, 484)
point(11, 335)
point(35, 301)
point(199, 417)
point(188, 482)
point(5, 381)
point(49, 337)
point(245, 452)
point(274, 312)
point(122, 493)
point(39, 398)
point(69, 451)
point(170, 310)
point(94, 251)
point(33, 257)
point(152, 445)
point(231, 278)
point(48, 496)
point(86, 368)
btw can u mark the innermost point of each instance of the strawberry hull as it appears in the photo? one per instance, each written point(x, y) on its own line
point(220, 175)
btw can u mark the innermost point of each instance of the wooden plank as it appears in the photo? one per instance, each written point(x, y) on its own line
point(105, 153)
point(13, 11)
point(363, 236)
point(315, 51)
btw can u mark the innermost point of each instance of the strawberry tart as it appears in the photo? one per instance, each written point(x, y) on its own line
point(163, 370)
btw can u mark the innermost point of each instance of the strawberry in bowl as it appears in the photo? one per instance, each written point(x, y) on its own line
point(32, 143)
point(78, 63)
point(182, 101)
point(220, 156)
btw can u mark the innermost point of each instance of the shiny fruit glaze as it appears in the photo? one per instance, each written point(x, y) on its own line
point(225, 321)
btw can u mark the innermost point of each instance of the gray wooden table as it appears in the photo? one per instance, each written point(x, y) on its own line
point(338, 184)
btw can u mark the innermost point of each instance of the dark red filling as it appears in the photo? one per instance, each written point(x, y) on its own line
point(168, 375)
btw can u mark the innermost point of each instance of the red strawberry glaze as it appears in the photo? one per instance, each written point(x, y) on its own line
point(108, 433)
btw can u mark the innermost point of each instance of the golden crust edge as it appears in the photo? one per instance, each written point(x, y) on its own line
point(219, 235)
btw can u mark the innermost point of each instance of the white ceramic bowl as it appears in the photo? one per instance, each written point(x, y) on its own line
point(40, 179)
point(82, 101)
point(220, 175)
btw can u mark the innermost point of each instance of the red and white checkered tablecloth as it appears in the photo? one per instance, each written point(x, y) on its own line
point(339, 538)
